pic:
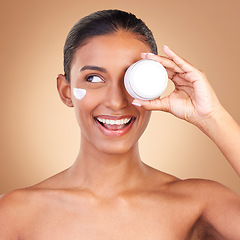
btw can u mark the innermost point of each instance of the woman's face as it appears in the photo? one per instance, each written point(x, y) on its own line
point(108, 120)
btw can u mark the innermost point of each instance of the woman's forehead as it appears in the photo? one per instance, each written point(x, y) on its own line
point(120, 44)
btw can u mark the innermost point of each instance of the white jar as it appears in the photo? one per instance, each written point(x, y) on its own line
point(146, 79)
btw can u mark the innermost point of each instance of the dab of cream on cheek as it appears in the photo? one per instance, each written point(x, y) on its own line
point(79, 93)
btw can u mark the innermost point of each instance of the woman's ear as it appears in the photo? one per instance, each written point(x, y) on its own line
point(64, 90)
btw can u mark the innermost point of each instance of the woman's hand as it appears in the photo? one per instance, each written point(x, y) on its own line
point(193, 98)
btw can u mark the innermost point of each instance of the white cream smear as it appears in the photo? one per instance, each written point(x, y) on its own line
point(79, 93)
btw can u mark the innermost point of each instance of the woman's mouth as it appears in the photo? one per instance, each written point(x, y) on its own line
point(114, 126)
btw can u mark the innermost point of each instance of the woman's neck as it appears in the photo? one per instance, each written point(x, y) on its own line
point(107, 174)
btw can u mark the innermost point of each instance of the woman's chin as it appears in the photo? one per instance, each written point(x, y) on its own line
point(115, 148)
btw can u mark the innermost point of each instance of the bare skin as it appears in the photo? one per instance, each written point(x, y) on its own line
point(109, 193)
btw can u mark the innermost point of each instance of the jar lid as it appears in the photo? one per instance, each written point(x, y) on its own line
point(146, 79)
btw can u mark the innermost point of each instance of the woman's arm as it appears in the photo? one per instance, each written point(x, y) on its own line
point(195, 101)
point(225, 133)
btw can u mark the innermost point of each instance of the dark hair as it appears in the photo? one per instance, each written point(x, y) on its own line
point(102, 23)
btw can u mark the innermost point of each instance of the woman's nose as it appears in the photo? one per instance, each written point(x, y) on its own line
point(117, 97)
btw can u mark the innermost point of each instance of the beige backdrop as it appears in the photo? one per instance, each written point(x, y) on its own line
point(40, 136)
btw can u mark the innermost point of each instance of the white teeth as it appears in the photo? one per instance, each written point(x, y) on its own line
point(114, 122)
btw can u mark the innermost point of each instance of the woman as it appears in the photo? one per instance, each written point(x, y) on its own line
point(109, 193)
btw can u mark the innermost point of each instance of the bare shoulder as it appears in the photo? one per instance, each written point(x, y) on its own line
point(218, 206)
point(202, 191)
point(13, 209)
point(18, 207)
point(203, 186)
point(21, 198)
point(221, 207)
point(12, 201)
point(212, 196)
point(206, 191)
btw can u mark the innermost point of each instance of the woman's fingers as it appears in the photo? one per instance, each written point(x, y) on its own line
point(180, 81)
point(180, 62)
point(172, 62)
point(166, 62)
point(161, 104)
point(175, 65)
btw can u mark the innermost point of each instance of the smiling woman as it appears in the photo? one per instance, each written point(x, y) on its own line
point(94, 70)
point(102, 195)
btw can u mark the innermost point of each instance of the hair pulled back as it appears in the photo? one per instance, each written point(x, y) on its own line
point(103, 23)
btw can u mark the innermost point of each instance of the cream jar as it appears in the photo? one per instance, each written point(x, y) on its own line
point(146, 79)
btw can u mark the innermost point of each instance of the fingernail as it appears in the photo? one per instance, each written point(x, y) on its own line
point(165, 46)
point(149, 53)
point(136, 104)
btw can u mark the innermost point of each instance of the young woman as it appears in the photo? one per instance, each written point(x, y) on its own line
point(109, 193)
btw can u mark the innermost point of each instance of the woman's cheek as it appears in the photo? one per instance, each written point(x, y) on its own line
point(87, 99)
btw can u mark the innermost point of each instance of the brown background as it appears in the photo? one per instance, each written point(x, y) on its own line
point(40, 136)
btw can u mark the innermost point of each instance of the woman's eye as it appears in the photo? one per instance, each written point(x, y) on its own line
point(93, 79)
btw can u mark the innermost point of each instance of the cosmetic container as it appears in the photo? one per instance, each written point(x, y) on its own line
point(146, 79)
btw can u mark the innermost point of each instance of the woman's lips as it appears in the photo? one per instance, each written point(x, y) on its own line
point(114, 126)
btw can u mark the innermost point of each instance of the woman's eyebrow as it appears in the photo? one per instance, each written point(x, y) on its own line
point(95, 68)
